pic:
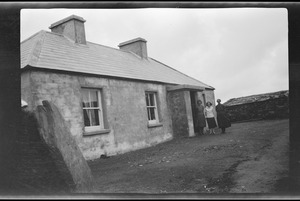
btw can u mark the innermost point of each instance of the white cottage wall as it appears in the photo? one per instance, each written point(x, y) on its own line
point(125, 106)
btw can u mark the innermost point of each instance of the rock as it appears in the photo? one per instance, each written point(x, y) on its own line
point(54, 131)
point(103, 156)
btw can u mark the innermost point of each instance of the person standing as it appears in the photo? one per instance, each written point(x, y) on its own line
point(201, 123)
point(210, 117)
point(223, 120)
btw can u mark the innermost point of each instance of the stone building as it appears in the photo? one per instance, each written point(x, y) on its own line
point(113, 100)
point(273, 105)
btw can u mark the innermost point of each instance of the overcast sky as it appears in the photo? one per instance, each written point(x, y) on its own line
point(238, 51)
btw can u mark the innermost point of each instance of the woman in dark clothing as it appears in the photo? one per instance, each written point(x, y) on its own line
point(200, 117)
point(223, 120)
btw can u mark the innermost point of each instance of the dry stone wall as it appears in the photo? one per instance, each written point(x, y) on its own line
point(274, 108)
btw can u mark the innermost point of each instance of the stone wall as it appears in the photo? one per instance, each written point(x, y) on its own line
point(26, 89)
point(275, 108)
point(183, 112)
point(178, 112)
point(124, 103)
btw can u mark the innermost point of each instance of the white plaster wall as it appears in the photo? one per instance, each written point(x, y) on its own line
point(125, 106)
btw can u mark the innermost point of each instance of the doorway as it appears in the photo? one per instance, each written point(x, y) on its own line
point(194, 99)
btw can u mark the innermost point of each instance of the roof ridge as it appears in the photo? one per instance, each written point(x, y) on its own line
point(37, 48)
point(58, 34)
point(47, 44)
point(102, 45)
point(120, 50)
point(181, 72)
point(33, 36)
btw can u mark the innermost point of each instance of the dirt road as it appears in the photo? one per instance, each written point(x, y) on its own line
point(250, 158)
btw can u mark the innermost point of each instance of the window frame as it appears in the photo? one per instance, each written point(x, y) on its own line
point(155, 106)
point(89, 129)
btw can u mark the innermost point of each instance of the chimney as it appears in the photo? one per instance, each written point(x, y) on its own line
point(71, 27)
point(137, 46)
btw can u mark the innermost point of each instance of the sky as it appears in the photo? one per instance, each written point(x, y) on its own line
point(238, 51)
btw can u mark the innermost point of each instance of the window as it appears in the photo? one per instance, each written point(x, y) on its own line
point(151, 107)
point(92, 109)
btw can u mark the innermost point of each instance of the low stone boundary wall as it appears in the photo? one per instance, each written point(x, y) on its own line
point(277, 108)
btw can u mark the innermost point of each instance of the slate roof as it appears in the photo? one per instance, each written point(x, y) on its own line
point(256, 98)
point(54, 51)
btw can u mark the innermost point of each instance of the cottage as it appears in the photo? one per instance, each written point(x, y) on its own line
point(113, 100)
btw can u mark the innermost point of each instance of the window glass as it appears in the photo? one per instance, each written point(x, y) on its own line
point(151, 99)
point(95, 117)
point(148, 112)
point(151, 107)
point(152, 113)
point(94, 98)
point(85, 98)
point(87, 121)
point(92, 111)
point(147, 99)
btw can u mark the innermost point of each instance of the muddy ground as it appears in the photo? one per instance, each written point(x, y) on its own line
point(252, 157)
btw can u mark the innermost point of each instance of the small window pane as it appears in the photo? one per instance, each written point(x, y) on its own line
point(86, 115)
point(147, 99)
point(95, 117)
point(152, 113)
point(149, 115)
point(94, 98)
point(151, 99)
point(85, 98)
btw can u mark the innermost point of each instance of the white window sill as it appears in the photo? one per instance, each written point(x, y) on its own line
point(154, 125)
point(98, 132)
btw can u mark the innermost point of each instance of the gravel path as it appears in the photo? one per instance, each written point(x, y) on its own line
point(250, 158)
